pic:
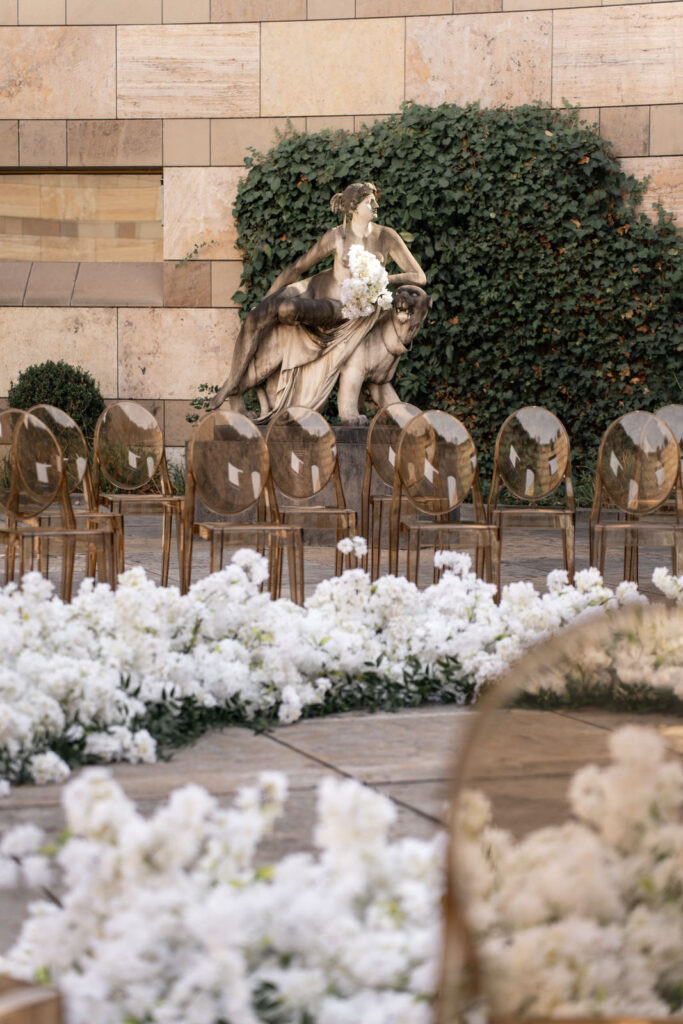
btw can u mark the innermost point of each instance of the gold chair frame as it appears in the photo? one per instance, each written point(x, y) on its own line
point(146, 483)
point(36, 481)
point(295, 437)
point(231, 433)
point(636, 475)
point(436, 469)
point(380, 458)
point(533, 473)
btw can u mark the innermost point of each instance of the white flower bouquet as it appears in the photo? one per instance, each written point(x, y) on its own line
point(368, 286)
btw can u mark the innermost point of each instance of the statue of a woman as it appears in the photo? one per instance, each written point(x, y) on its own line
point(300, 322)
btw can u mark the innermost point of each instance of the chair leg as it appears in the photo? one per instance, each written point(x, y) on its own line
point(495, 553)
point(68, 559)
point(570, 549)
point(165, 545)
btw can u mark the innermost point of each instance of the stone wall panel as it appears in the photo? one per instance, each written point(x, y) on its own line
point(8, 12)
point(231, 138)
point(9, 143)
point(331, 67)
point(170, 352)
point(42, 143)
point(666, 182)
point(188, 71)
point(666, 129)
point(113, 12)
point(53, 72)
point(618, 56)
point(258, 10)
point(41, 12)
point(198, 205)
point(84, 337)
point(184, 12)
point(495, 59)
point(112, 143)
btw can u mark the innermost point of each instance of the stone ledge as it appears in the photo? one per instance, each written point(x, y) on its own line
point(56, 283)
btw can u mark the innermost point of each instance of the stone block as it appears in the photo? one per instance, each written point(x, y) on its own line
point(9, 143)
point(618, 56)
point(341, 66)
point(666, 130)
point(188, 71)
point(396, 8)
point(184, 12)
point(13, 278)
point(170, 352)
point(318, 9)
point(495, 59)
point(42, 143)
point(198, 205)
point(50, 284)
point(231, 139)
point(476, 6)
point(627, 128)
point(258, 10)
point(542, 5)
point(119, 284)
point(41, 12)
point(187, 284)
point(336, 122)
point(225, 281)
point(186, 142)
point(57, 71)
point(112, 143)
point(177, 430)
point(666, 182)
point(84, 337)
point(8, 12)
point(113, 12)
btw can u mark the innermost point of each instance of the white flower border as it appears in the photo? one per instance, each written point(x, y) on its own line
point(82, 676)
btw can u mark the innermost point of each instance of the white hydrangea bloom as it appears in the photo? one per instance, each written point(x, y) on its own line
point(367, 288)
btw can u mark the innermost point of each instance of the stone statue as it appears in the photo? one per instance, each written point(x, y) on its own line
point(295, 344)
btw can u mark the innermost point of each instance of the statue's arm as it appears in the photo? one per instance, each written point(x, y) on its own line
point(315, 254)
point(412, 272)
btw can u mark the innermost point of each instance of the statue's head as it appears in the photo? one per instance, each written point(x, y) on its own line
point(346, 202)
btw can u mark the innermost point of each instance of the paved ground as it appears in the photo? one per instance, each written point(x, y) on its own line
point(408, 756)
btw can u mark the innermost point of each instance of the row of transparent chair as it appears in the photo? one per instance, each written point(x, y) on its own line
point(430, 459)
point(33, 477)
point(232, 468)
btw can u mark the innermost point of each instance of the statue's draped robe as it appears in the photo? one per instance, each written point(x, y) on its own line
point(311, 359)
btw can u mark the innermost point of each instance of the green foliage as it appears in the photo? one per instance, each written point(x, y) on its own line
point(549, 287)
point(70, 388)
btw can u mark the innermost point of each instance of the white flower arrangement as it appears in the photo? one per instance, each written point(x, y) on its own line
point(86, 675)
point(169, 920)
point(368, 286)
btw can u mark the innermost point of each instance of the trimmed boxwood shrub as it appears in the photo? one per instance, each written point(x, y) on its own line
point(70, 388)
point(549, 286)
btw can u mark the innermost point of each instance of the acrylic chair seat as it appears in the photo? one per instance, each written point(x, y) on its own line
point(436, 470)
point(32, 478)
point(380, 462)
point(303, 459)
point(130, 455)
point(638, 469)
point(532, 461)
point(228, 469)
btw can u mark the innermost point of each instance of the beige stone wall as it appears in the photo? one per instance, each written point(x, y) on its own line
point(188, 86)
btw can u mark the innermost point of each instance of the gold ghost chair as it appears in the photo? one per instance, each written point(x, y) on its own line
point(436, 470)
point(380, 460)
point(28, 1003)
point(74, 448)
point(673, 417)
point(532, 460)
point(33, 478)
point(638, 469)
point(303, 459)
point(228, 469)
point(130, 455)
point(510, 795)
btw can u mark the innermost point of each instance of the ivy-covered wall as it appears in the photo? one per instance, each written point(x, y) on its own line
point(549, 287)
